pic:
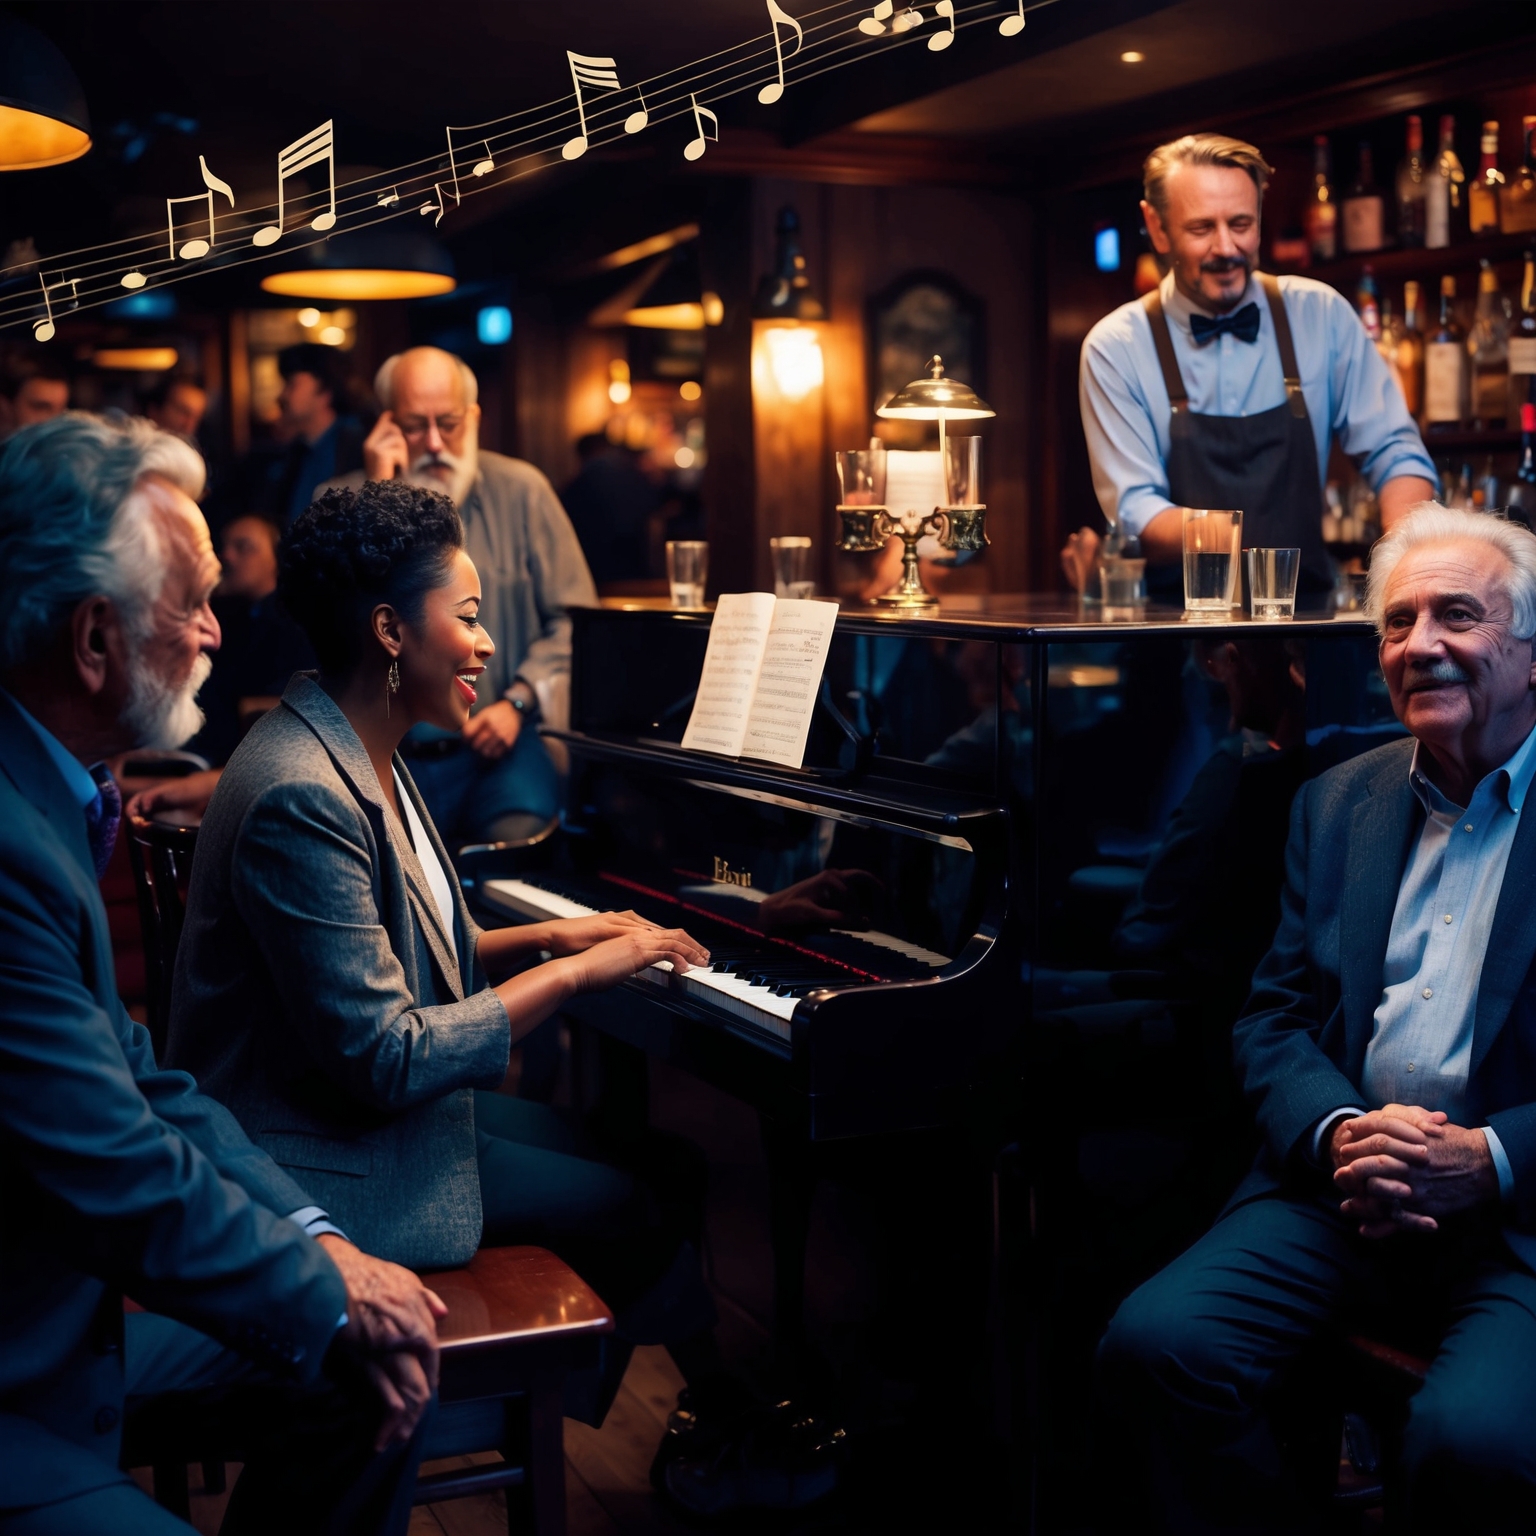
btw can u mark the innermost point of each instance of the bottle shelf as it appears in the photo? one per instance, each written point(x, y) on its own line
point(1470, 440)
point(1426, 265)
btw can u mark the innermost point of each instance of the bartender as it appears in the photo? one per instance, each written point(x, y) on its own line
point(1224, 386)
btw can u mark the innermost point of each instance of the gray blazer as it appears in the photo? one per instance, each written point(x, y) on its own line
point(319, 997)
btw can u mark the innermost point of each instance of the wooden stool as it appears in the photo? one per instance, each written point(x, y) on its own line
point(519, 1322)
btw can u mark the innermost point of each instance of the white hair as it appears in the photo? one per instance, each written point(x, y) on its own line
point(1430, 523)
point(384, 379)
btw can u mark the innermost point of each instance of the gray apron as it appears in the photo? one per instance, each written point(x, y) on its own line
point(1263, 465)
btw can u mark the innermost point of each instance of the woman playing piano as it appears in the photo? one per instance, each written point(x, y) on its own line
point(331, 986)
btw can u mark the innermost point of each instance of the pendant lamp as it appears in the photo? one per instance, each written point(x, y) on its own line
point(385, 262)
point(43, 118)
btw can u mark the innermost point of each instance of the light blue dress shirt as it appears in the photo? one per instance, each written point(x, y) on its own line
point(1421, 1046)
point(1351, 395)
point(83, 787)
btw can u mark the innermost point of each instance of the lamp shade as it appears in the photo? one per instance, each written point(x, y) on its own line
point(386, 262)
point(674, 299)
point(43, 118)
point(785, 293)
point(936, 399)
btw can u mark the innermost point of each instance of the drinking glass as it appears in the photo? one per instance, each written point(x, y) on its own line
point(792, 566)
point(687, 571)
point(1123, 581)
point(1211, 540)
point(962, 472)
point(861, 477)
point(1272, 582)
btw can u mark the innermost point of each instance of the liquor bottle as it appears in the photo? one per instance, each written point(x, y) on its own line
point(1490, 352)
point(1367, 304)
point(1483, 195)
point(1517, 205)
point(1408, 360)
point(1445, 365)
point(1412, 187)
point(1443, 206)
point(1526, 473)
point(1321, 218)
point(1522, 344)
point(1364, 211)
point(1391, 329)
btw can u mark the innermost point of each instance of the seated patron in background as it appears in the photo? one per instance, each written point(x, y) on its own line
point(120, 1177)
point(177, 405)
point(611, 503)
point(331, 986)
point(1224, 338)
point(1387, 1052)
point(494, 778)
point(32, 388)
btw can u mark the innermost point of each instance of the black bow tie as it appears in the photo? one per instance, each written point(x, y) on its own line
point(1242, 323)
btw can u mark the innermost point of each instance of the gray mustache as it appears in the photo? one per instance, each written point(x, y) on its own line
point(1442, 671)
point(1224, 264)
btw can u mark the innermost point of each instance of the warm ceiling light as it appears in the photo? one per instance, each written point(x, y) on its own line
point(43, 119)
point(690, 390)
point(332, 336)
point(136, 359)
point(309, 318)
point(1132, 56)
point(357, 283)
point(794, 359)
point(674, 299)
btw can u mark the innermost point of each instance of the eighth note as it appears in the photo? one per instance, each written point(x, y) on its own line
point(873, 25)
point(42, 330)
point(390, 198)
point(941, 40)
point(1011, 26)
point(315, 146)
point(639, 117)
point(430, 207)
point(193, 248)
point(695, 147)
point(771, 92)
point(590, 71)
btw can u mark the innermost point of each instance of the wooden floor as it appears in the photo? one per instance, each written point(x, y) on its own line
point(606, 1471)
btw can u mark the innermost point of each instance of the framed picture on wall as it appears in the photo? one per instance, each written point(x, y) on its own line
point(920, 314)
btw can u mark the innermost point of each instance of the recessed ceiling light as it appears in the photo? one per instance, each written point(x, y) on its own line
point(1132, 56)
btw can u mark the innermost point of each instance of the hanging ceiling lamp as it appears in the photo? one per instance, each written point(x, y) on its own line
point(386, 262)
point(674, 300)
point(785, 293)
point(43, 118)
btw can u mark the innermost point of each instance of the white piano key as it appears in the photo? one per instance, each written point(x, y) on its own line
point(524, 900)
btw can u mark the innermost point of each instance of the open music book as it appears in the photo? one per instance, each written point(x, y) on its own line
point(762, 673)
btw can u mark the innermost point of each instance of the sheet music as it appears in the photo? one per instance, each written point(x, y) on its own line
point(738, 637)
point(789, 680)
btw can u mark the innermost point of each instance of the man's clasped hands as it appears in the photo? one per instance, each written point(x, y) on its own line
point(1402, 1168)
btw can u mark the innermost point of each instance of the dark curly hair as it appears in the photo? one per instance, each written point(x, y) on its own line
point(386, 542)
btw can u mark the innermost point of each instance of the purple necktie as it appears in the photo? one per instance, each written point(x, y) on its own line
point(102, 816)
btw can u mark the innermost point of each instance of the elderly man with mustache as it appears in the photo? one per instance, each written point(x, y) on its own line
point(496, 780)
point(1225, 387)
point(1388, 1050)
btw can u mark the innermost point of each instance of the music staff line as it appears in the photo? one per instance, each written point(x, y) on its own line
point(103, 287)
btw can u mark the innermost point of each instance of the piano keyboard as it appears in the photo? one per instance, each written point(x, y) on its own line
point(758, 1004)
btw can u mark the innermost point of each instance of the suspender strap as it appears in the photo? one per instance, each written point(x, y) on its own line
point(1163, 341)
point(1288, 366)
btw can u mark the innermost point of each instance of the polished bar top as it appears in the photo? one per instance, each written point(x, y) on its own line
point(1025, 616)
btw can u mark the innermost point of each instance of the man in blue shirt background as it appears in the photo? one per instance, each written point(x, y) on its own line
point(1225, 388)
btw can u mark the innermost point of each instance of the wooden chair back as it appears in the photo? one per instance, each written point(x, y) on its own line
point(161, 855)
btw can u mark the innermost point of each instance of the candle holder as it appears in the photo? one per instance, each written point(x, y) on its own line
point(865, 529)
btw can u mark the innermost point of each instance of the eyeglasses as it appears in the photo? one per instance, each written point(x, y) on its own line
point(418, 426)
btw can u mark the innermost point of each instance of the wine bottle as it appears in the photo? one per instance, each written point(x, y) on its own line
point(1321, 219)
point(1412, 187)
point(1517, 206)
point(1522, 344)
point(1490, 352)
point(1443, 205)
point(1483, 196)
point(1408, 359)
point(1445, 365)
point(1364, 211)
point(1367, 303)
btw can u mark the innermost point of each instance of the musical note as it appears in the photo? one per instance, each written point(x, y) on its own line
point(600, 73)
point(695, 147)
point(42, 330)
point(390, 198)
point(941, 40)
point(771, 92)
point(134, 279)
point(909, 18)
point(873, 25)
point(192, 249)
point(1011, 26)
point(433, 207)
point(638, 118)
point(317, 145)
point(487, 165)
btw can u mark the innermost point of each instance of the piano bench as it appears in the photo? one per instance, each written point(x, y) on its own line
point(519, 1322)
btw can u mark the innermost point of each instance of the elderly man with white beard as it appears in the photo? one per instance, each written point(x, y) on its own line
point(497, 780)
point(120, 1177)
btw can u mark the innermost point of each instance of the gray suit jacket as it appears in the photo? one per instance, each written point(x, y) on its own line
point(115, 1175)
point(319, 997)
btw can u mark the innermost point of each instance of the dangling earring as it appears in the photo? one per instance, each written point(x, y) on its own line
point(393, 685)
